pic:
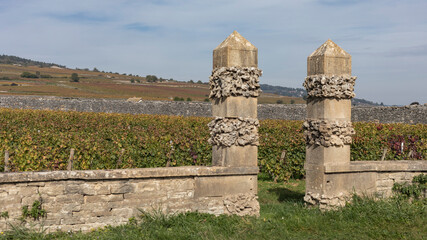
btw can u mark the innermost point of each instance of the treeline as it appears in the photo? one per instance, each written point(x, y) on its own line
point(300, 92)
point(7, 59)
point(283, 91)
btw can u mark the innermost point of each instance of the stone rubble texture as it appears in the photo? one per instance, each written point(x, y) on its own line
point(242, 205)
point(323, 86)
point(328, 133)
point(234, 131)
point(234, 81)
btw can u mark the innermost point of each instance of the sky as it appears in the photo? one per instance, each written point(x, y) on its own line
point(175, 38)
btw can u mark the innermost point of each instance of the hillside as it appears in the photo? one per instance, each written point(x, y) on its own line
point(7, 59)
point(300, 92)
point(17, 79)
point(52, 79)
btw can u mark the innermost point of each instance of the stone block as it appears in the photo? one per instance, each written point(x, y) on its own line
point(10, 199)
point(331, 109)
point(72, 221)
point(124, 212)
point(94, 189)
point(69, 198)
point(180, 195)
point(225, 185)
point(235, 156)
point(315, 179)
point(28, 191)
point(181, 185)
point(235, 51)
point(329, 59)
point(29, 200)
point(146, 185)
point(103, 198)
point(121, 187)
point(245, 107)
point(52, 189)
point(72, 188)
point(328, 155)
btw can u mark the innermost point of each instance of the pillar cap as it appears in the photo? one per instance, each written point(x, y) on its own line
point(236, 41)
point(330, 49)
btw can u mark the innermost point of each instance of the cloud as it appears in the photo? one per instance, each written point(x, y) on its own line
point(140, 27)
point(413, 51)
point(81, 17)
point(340, 2)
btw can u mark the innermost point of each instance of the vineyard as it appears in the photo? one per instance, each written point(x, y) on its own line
point(39, 140)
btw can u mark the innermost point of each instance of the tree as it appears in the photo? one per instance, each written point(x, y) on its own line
point(75, 77)
point(28, 75)
point(279, 101)
point(199, 82)
point(189, 99)
point(292, 101)
point(151, 78)
point(95, 69)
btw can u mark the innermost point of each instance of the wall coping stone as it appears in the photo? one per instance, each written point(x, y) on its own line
point(378, 166)
point(117, 174)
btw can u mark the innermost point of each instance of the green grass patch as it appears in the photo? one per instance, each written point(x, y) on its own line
point(283, 216)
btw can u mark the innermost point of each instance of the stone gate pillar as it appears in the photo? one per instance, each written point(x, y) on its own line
point(328, 127)
point(234, 86)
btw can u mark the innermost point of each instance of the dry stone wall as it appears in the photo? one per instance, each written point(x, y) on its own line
point(84, 200)
point(407, 114)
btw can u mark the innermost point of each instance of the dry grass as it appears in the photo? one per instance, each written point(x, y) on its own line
point(106, 85)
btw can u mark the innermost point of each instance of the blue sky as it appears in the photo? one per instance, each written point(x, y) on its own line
point(175, 39)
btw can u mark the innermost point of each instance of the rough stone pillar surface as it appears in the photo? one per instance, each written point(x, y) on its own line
point(328, 127)
point(234, 86)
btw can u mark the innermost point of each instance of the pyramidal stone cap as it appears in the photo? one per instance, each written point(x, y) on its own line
point(329, 59)
point(235, 51)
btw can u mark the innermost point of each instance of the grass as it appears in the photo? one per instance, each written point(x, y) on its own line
point(283, 216)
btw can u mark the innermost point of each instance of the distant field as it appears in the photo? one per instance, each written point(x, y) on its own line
point(106, 85)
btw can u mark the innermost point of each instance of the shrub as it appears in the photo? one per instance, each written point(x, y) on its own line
point(414, 190)
point(75, 77)
point(28, 75)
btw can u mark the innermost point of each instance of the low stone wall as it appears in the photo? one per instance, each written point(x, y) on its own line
point(83, 200)
point(365, 178)
point(407, 114)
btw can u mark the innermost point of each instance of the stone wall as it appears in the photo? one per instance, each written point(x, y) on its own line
point(83, 200)
point(365, 178)
point(407, 114)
